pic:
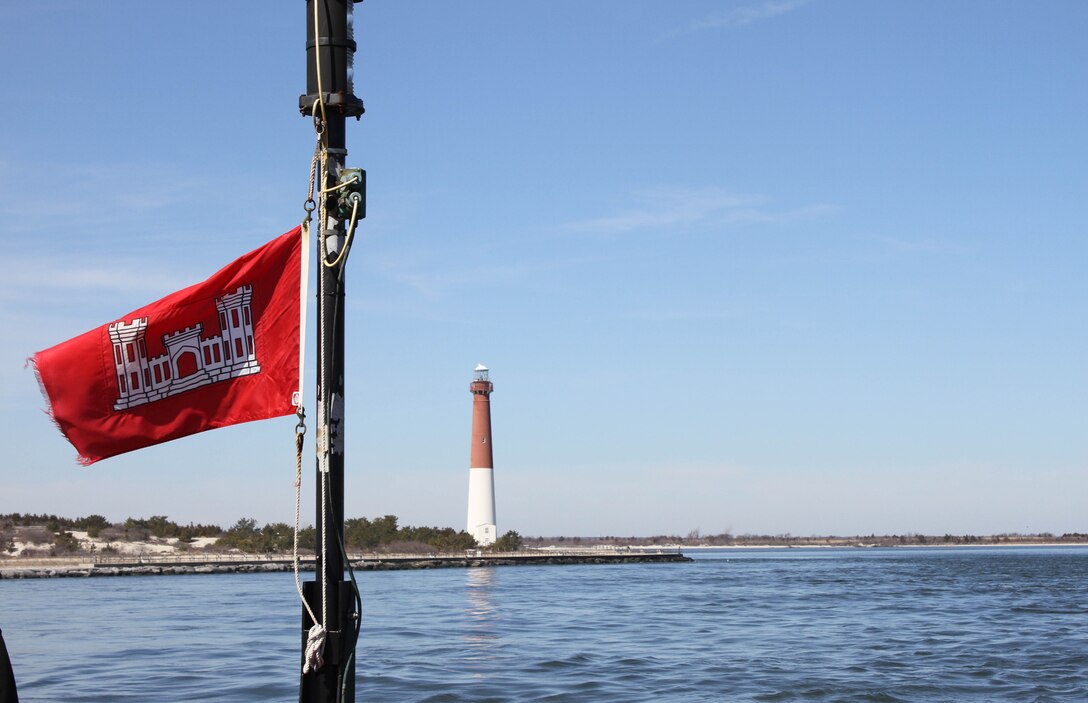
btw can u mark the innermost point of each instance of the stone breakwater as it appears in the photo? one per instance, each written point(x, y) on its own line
point(13, 571)
point(512, 560)
point(142, 570)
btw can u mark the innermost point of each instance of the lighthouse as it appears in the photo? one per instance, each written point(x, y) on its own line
point(481, 473)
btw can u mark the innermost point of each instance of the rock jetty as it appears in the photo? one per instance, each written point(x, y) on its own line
point(11, 569)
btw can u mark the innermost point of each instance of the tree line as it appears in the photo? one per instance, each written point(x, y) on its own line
point(52, 534)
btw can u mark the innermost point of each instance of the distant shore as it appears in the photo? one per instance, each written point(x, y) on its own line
point(975, 545)
point(94, 538)
point(12, 568)
point(45, 546)
point(869, 541)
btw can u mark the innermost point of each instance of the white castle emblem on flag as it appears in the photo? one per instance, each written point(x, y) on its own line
point(190, 361)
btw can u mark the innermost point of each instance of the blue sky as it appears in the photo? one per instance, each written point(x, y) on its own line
point(767, 267)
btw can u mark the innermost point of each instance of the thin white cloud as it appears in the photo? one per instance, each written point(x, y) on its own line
point(105, 203)
point(439, 284)
point(435, 286)
point(739, 17)
point(22, 278)
point(97, 187)
point(687, 315)
point(923, 245)
point(670, 208)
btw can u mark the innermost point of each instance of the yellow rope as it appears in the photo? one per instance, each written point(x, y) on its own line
point(347, 238)
point(350, 182)
point(298, 509)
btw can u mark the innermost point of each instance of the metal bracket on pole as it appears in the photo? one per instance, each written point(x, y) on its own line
point(352, 191)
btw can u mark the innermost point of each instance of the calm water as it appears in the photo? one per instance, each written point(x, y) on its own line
point(773, 625)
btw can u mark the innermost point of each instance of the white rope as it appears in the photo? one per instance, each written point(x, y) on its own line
point(325, 407)
point(315, 645)
point(315, 638)
point(300, 428)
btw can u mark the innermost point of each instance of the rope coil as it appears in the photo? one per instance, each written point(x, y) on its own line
point(315, 647)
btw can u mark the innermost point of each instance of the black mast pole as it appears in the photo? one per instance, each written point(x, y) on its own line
point(333, 40)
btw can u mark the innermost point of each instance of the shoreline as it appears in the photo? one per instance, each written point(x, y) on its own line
point(59, 567)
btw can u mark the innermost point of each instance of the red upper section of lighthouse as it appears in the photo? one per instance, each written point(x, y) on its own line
point(481, 387)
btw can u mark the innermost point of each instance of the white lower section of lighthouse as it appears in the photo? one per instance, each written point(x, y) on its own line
point(481, 505)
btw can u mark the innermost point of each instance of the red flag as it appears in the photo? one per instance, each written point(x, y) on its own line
point(217, 353)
